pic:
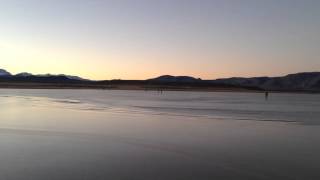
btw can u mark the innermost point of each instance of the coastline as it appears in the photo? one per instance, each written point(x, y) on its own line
point(159, 88)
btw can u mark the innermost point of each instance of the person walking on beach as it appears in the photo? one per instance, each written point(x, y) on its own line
point(266, 95)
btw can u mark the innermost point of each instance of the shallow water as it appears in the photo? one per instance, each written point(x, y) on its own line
point(95, 134)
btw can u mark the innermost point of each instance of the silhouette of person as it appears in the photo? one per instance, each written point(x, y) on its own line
point(266, 94)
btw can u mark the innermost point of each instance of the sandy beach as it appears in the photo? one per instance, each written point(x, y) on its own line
point(62, 134)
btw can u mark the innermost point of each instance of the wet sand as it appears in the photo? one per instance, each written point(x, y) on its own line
point(45, 137)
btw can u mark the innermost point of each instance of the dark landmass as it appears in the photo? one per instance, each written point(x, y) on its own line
point(307, 81)
point(300, 82)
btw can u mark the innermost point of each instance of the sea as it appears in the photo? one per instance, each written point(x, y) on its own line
point(150, 135)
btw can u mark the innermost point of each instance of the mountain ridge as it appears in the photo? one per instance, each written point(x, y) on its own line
point(4, 73)
point(304, 81)
point(170, 78)
point(297, 81)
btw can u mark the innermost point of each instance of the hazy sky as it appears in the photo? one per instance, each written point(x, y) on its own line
point(138, 39)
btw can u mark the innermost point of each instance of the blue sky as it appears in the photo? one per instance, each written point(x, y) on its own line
point(138, 39)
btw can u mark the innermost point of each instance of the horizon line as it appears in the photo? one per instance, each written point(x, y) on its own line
point(62, 74)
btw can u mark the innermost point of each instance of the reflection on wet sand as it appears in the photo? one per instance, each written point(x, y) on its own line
point(59, 134)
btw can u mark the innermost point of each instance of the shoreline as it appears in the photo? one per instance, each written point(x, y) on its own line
point(142, 88)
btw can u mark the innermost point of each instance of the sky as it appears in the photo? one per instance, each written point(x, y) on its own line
point(141, 39)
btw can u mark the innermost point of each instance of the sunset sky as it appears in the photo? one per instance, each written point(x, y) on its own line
point(139, 39)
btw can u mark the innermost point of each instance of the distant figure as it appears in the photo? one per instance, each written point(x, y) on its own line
point(160, 91)
point(266, 94)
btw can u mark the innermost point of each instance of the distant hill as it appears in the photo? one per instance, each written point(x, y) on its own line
point(4, 73)
point(306, 81)
point(38, 79)
point(24, 74)
point(180, 79)
point(5, 76)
